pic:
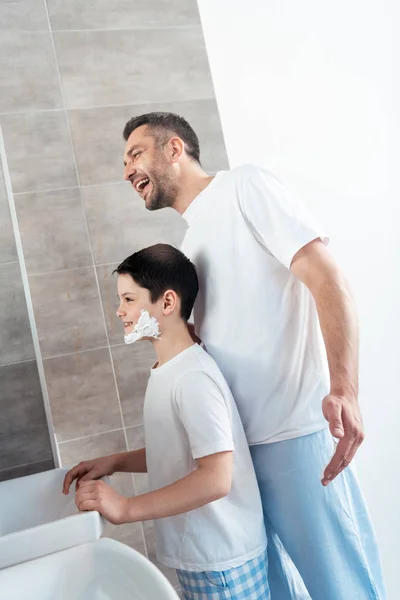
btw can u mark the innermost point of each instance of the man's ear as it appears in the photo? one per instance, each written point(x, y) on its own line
point(176, 148)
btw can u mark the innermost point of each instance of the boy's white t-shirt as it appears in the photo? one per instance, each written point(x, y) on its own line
point(256, 319)
point(189, 413)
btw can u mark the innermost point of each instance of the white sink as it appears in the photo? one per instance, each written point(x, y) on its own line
point(101, 570)
point(36, 518)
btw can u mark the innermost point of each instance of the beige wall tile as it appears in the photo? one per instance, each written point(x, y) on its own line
point(67, 311)
point(53, 231)
point(135, 67)
point(82, 394)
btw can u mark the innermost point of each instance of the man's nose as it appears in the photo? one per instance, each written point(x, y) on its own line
point(129, 171)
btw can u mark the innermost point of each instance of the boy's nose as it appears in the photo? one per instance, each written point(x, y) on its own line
point(120, 313)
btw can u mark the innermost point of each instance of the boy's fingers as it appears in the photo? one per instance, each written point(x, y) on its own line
point(90, 475)
point(76, 473)
point(69, 478)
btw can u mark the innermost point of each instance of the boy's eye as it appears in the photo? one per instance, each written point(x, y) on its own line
point(129, 299)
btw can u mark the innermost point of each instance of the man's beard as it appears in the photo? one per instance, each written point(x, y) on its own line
point(162, 195)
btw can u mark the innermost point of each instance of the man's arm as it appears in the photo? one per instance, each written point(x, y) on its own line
point(316, 268)
point(209, 482)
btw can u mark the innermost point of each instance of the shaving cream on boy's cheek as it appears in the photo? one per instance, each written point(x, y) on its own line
point(146, 326)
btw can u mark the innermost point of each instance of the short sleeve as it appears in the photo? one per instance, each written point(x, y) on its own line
point(278, 219)
point(205, 414)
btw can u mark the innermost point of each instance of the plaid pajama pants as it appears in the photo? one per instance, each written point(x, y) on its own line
point(247, 582)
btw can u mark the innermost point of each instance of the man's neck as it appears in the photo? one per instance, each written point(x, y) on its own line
point(172, 343)
point(193, 181)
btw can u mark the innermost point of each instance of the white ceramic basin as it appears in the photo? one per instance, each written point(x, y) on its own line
point(36, 518)
point(101, 570)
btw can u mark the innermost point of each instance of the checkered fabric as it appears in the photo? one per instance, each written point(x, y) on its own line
point(247, 582)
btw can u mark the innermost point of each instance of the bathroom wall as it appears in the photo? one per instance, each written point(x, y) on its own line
point(318, 104)
point(24, 437)
point(71, 75)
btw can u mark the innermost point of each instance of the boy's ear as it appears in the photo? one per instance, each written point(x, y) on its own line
point(170, 300)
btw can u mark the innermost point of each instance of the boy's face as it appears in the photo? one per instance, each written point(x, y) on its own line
point(134, 299)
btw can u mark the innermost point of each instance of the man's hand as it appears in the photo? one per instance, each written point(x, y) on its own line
point(97, 495)
point(89, 469)
point(317, 269)
point(345, 423)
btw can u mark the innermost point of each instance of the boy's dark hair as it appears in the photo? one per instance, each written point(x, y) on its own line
point(162, 267)
point(162, 125)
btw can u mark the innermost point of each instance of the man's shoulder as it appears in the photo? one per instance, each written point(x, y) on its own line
point(248, 170)
point(247, 173)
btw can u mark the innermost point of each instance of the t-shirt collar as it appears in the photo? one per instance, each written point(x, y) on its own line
point(192, 210)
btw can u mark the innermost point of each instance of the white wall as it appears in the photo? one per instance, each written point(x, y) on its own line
point(310, 90)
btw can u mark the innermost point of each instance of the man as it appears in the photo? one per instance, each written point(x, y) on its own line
point(268, 288)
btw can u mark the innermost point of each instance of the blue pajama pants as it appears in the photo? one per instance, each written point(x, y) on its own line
point(321, 543)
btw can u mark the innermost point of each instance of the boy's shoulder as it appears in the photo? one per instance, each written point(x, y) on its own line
point(199, 369)
point(199, 360)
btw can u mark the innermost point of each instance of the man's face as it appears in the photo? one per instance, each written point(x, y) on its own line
point(149, 170)
point(133, 299)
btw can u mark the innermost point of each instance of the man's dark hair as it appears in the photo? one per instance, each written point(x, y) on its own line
point(162, 124)
point(160, 268)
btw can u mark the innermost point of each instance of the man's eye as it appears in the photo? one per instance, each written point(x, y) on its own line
point(134, 156)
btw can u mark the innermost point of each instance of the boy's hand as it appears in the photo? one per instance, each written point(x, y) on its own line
point(88, 470)
point(97, 495)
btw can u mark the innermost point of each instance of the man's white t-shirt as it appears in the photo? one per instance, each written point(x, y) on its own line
point(189, 413)
point(256, 319)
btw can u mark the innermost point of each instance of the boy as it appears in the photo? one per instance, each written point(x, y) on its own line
point(204, 495)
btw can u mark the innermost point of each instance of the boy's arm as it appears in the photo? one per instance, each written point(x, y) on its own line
point(128, 462)
point(131, 462)
point(209, 482)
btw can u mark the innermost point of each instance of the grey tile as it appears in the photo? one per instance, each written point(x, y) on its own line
point(28, 73)
point(109, 299)
point(28, 15)
point(130, 534)
point(15, 332)
point(8, 250)
point(123, 484)
point(141, 483)
point(132, 368)
point(119, 223)
point(67, 311)
point(149, 533)
point(135, 436)
point(39, 151)
point(24, 435)
point(92, 447)
point(82, 393)
point(29, 469)
point(100, 157)
point(121, 14)
point(53, 230)
point(168, 64)
point(136, 440)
